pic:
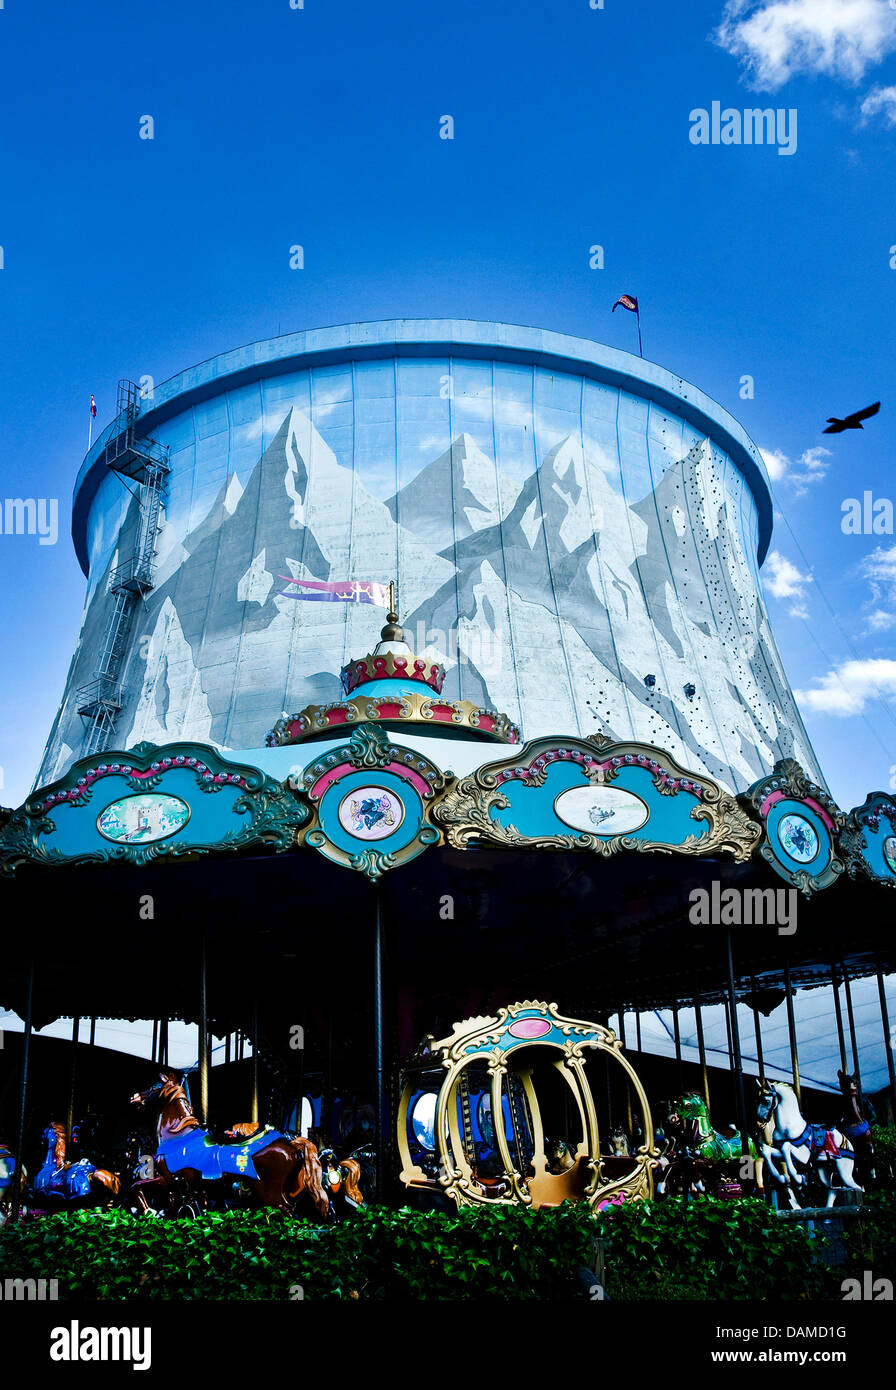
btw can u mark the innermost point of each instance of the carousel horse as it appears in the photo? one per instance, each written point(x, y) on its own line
point(699, 1153)
point(8, 1179)
point(856, 1127)
point(619, 1144)
point(342, 1181)
point(276, 1167)
point(71, 1184)
point(559, 1155)
point(790, 1140)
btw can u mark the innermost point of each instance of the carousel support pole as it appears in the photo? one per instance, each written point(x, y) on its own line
point(701, 1043)
point(791, 1030)
point(254, 1115)
point(154, 1046)
point(628, 1089)
point(300, 1073)
point(23, 1092)
point(678, 1048)
point(92, 1029)
point(888, 1041)
point(638, 1031)
point(736, 1054)
point(852, 1027)
point(378, 1041)
point(163, 1042)
point(70, 1120)
point(203, 1035)
point(841, 1038)
point(758, 1031)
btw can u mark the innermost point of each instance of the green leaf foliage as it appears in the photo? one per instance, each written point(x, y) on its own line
point(672, 1249)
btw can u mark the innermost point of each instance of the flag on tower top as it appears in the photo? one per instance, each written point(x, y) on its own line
point(93, 407)
point(628, 301)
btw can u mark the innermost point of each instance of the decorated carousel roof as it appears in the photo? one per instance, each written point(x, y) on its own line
point(391, 686)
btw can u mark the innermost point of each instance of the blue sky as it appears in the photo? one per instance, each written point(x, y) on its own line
point(320, 127)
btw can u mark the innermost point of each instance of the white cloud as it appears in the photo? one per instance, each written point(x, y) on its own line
point(847, 689)
point(810, 467)
point(776, 39)
point(776, 463)
point(879, 620)
point(784, 580)
point(880, 101)
point(879, 568)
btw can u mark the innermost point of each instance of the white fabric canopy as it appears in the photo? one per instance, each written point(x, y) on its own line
point(121, 1035)
point(816, 1035)
point(816, 1031)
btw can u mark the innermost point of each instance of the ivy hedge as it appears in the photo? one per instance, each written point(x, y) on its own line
point(673, 1249)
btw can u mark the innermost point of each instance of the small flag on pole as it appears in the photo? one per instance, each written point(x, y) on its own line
point(628, 301)
point(340, 591)
point(93, 407)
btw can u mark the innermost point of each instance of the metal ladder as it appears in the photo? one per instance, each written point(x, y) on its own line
point(146, 462)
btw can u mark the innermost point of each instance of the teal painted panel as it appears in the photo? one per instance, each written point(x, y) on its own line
point(397, 789)
point(532, 809)
point(211, 813)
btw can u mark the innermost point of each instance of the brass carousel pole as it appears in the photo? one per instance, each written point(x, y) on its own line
point(758, 1031)
point(378, 1039)
point(628, 1089)
point(23, 1093)
point(735, 1047)
point(841, 1039)
point(70, 1120)
point(254, 1115)
point(791, 1030)
point(852, 1027)
point(678, 1048)
point(888, 1041)
point(704, 1074)
point(203, 1035)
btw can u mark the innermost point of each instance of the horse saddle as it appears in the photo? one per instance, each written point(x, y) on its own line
point(820, 1140)
point(70, 1182)
point(197, 1150)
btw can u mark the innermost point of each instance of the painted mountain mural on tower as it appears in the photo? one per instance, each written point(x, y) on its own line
point(551, 601)
point(455, 495)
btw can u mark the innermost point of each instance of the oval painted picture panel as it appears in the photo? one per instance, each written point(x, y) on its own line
point(799, 838)
point(143, 819)
point(889, 848)
point(601, 810)
point(530, 1027)
point(371, 813)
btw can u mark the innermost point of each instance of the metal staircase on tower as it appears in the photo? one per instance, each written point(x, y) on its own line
point(131, 455)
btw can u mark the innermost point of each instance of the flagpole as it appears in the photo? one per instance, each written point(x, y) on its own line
point(640, 349)
point(90, 432)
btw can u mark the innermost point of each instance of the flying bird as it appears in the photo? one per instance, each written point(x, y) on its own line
point(852, 422)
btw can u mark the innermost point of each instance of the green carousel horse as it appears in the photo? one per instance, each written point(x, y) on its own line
point(699, 1154)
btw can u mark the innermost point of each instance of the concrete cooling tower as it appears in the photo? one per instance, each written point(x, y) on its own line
point(575, 533)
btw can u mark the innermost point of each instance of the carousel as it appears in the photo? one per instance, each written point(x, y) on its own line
point(349, 890)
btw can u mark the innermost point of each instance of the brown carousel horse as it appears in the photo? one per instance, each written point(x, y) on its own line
point(856, 1127)
point(342, 1179)
point(277, 1168)
point(72, 1184)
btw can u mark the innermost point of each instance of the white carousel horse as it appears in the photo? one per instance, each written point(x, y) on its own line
point(790, 1140)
